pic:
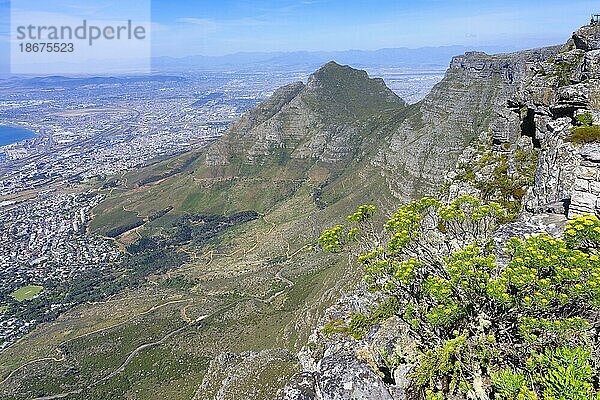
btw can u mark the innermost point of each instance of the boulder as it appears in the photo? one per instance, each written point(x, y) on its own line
point(587, 38)
point(591, 152)
point(343, 377)
point(300, 387)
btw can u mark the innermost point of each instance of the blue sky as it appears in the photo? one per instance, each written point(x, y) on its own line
point(184, 27)
point(228, 26)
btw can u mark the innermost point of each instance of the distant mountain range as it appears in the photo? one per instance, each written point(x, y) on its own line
point(420, 58)
point(406, 58)
point(48, 82)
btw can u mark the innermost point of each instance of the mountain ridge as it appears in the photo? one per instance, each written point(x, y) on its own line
point(432, 56)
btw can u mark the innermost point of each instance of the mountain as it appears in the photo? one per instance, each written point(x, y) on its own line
point(418, 58)
point(223, 240)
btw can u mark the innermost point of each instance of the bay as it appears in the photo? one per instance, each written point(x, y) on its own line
point(11, 134)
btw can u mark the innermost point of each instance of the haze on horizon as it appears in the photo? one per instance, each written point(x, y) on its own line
point(182, 28)
point(230, 26)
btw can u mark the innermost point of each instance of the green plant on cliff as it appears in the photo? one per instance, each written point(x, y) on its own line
point(586, 132)
point(500, 176)
point(563, 70)
point(528, 324)
point(585, 119)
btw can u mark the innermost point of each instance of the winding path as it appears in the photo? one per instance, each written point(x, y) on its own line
point(189, 321)
point(59, 396)
point(54, 359)
point(148, 345)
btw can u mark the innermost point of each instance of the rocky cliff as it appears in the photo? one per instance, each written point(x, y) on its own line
point(470, 99)
point(564, 87)
point(516, 119)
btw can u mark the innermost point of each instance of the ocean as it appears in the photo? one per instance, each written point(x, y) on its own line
point(11, 134)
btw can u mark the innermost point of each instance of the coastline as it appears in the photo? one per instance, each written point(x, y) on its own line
point(11, 134)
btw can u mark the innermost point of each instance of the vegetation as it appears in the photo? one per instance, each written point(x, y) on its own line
point(527, 324)
point(360, 324)
point(586, 132)
point(563, 70)
point(347, 93)
point(500, 177)
point(26, 292)
point(585, 119)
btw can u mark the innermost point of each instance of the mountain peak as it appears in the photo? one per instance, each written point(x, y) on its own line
point(343, 89)
point(333, 66)
point(334, 72)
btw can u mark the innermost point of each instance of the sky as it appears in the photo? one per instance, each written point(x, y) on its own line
point(228, 26)
point(184, 27)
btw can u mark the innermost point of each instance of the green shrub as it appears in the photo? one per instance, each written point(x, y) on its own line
point(362, 214)
point(359, 325)
point(564, 373)
point(333, 327)
point(583, 232)
point(478, 319)
point(509, 385)
point(434, 395)
point(465, 174)
point(385, 310)
point(331, 240)
point(584, 134)
point(564, 70)
point(585, 119)
point(444, 361)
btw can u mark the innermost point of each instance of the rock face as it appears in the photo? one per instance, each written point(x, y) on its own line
point(585, 198)
point(338, 378)
point(341, 368)
point(587, 38)
point(302, 386)
point(563, 87)
point(470, 99)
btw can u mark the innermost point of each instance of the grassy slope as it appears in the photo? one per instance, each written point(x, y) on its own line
point(231, 286)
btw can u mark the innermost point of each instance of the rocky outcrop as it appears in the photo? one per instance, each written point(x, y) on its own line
point(337, 367)
point(563, 87)
point(587, 38)
point(339, 377)
point(585, 197)
point(470, 99)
